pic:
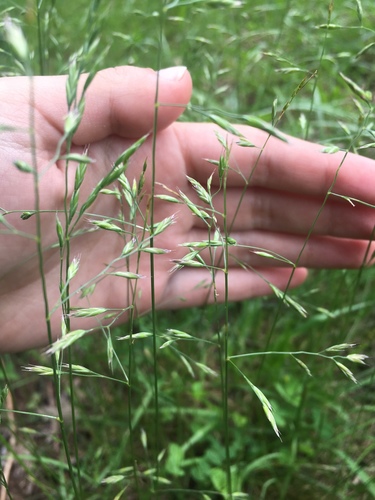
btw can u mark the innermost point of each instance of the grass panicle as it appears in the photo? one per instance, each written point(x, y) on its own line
point(194, 402)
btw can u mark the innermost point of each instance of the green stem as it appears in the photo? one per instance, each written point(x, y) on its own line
point(287, 353)
point(40, 38)
point(66, 312)
point(226, 340)
point(152, 257)
point(315, 85)
point(56, 377)
point(132, 292)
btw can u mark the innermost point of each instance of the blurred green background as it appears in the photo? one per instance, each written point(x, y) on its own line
point(246, 57)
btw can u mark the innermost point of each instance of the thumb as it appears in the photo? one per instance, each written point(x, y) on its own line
point(119, 101)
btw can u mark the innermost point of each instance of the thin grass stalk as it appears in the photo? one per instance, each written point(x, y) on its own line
point(56, 377)
point(132, 292)
point(131, 378)
point(130, 399)
point(296, 438)
point(359, 275)
point(152, 256)
point(315, 84)
point(66, 312)
point(38, 4)
point(328, 194)
point(275, 48)
point(309, 234)
point(153, 298)
point(360, 412)
point(4, 487)
point(38, 240)
point(3, 483)
point(226, 341)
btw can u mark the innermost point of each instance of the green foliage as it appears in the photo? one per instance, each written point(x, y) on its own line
point(281, 63)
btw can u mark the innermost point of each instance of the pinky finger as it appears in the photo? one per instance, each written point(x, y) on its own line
point(194, 287)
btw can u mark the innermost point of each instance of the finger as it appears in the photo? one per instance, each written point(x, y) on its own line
point(119, 101)
point(273, 210)
point(261, 248)
point(192, 287)
point(296, 166)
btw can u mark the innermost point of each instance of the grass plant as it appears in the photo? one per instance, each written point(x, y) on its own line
point(270, 398)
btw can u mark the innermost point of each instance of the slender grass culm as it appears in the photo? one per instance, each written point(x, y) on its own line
point(268, 398)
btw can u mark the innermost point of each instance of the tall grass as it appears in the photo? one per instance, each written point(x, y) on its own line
point(193, 403)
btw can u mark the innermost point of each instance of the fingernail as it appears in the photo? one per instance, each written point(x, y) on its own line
point(174, 73)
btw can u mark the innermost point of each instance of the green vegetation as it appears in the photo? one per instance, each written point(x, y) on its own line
point(204, 429)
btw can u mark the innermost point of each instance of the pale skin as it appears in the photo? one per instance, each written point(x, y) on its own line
point(285, 194)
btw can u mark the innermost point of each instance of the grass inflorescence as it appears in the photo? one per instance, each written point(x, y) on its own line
point(227, 401)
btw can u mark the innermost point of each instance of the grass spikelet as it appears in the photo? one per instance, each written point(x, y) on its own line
point(365, 95)
point(73, 119)
point(134, 336)
point(69, 339)
point(202, 193)
point(345, 370)
point(340, 347)
point(160, 227)
point(14, 36)
point(60, 232)
point(303, 365)
point(22, 166)
point(127, 275)
point(107, 225)
point(39, 370)
point(224, 124)
point(88, 312)
point(357, 358)
point(73, 269)
point(267, 408)
point(202, 214)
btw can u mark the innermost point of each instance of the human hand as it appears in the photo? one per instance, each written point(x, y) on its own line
point(288, 183)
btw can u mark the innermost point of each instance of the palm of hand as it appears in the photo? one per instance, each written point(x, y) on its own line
point(98, 251)
point(277, 211)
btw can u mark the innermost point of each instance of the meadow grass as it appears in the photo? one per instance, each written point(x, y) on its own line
point(181, 406)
